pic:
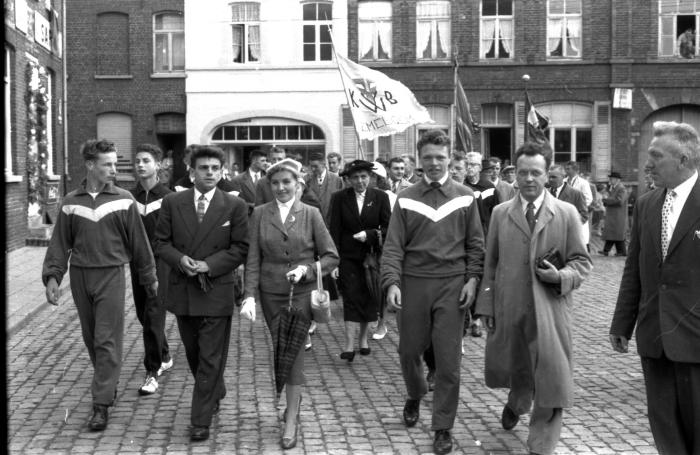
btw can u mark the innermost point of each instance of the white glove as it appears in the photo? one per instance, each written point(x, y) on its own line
point(335, 273)
point(360, 236)
point(295, 275)
point(248, 309)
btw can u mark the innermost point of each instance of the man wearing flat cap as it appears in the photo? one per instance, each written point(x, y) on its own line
point(615, 216)
point(431, 266)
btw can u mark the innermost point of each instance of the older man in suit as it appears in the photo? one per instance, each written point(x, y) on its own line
point(504, 190)
point(202, 235)
point(562, 191)
point(322, 183)
point(660, 289)
point(615, 227)
point(245, 182)
point(526, 303)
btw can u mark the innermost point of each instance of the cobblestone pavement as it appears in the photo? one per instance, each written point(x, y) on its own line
point(347, 408)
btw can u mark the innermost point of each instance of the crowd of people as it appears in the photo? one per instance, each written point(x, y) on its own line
point(456, 246)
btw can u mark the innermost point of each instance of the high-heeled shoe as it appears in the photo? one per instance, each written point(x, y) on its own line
point(290, 443)
point(348, 355)
point(365, 351)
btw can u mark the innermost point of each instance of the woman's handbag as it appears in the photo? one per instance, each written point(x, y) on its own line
point(320, 299)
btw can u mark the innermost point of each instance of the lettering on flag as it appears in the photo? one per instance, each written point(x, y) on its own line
point(380, 106)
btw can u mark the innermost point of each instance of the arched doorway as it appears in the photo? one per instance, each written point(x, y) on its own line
point(239, 138)
point(686, 113)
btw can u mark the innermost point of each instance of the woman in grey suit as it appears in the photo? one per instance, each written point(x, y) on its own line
point(285, 239)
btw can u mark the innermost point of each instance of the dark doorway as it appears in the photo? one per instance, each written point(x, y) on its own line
point(497, 142)
point(173, 145)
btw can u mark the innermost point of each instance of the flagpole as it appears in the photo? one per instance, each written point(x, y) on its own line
point(454, 98)
point(345, 90)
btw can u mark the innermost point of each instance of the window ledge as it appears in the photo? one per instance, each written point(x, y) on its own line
point(113, 76)
point(435, 61)
point(674, 59)
point(11, 178)
point(174, 75)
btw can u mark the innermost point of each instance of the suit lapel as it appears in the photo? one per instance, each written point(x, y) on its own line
point(188, 212)
point(293, 217)
point(272, 214)
point(215, 212)
point(545, 214)
point(653, 219)
point(515, 212)
point(689, 215)
point(249, 182)
point(368, 204)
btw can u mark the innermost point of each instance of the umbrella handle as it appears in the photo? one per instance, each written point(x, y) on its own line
point(291, 295)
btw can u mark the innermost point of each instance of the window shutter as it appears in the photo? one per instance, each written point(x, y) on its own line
point(400, 145)
point(117, 128)
point(519, 123)
point(349, 145)
point(601, 141)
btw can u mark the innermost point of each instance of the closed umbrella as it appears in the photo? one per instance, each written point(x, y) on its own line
point(289, 329)
point(371, 266)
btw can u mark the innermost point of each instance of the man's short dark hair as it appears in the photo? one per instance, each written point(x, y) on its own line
point(534, 149)
point(257, 153)
point(495, 160)
point(458, 156)
point(573, 165)
point(154, 150)
point(435, 137)
point(335, 155)
point(93, 147)
point(317, 156)
point(207, 151)
point(189, 150)
point(275, 149)
point(410, 158)
point(396, 159)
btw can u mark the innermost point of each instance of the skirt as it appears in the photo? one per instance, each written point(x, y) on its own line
point(271, 305)
point(358, 305)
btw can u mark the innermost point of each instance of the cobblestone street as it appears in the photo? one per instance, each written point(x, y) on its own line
point(347, 407)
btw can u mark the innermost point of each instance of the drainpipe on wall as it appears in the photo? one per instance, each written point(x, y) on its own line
point(66, 172)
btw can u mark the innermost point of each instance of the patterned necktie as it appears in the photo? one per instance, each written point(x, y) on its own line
point(530, 216)
point(553, 191)
point(666, 210)
point(201, 207)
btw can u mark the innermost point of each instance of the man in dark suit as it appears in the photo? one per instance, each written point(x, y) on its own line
point(660, 289)
point(263, 189)
point(202, 235)
point(187, 181)
point(504, 190)
point(562, 191)
point(409, 174)
point(322, 183)
point(245, 182)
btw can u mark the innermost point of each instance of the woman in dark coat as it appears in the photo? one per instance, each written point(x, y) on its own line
point(355, 232)
point(285, 236)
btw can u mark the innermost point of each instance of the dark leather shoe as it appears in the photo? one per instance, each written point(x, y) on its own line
point(199, 433)
point(430, 378)
point(100, 416)
point(509, 419)
point(348, 355)
point(365, 351)
point(411, 412)
point(604, 253)
point(443, 442)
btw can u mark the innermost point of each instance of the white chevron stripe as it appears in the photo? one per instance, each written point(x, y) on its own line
point(150, 207)
point(98, 213)
point(484, 194)
point(440, 213)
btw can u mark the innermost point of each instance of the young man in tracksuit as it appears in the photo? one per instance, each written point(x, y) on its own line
point(150, 311)
point(100, 230)
point(431, 265)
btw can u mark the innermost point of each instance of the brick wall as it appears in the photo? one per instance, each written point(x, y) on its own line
point(134, 92)
point(23, 48)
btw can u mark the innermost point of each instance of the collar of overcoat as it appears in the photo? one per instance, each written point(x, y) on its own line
point(273, 215)
point(214, 216)
point(543, 216)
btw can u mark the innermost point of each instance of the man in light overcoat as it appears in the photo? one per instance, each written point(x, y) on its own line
point(527, 308)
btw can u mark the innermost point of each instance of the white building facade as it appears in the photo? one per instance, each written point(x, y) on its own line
point(262, 73)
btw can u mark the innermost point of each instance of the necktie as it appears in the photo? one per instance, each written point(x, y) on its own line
point(435, 185)
point(666, 210)
point(201, 207)
point(553, 191)
point(530, 216)
point(255, 178)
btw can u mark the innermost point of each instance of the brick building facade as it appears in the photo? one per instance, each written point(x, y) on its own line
point(576, 52)
point(33, 117)
point(126, 79)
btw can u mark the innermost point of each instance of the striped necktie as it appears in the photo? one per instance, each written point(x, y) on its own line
point(201, 207)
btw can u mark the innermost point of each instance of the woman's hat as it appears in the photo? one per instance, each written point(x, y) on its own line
point(357, 165)
point(286, 164)
point(379, 169)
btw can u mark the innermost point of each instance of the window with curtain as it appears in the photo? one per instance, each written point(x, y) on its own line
point(168, 42)
point(245, 32)
point(564, 28)
point(318, 20)
point(433, 30)
point(496, 29)
point(679, 23)
point(570, 132)
point(374, 30)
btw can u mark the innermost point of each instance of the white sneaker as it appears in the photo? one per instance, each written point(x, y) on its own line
point(307, 344)
point(312, 328)
point(165, 366)
point(380, 333)
point(149, 387)
point(464, 341)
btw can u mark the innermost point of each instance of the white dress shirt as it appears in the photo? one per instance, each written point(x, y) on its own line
point(284, 207)
point(360, 198)
point(682, 192)
point(321, 178)
point(207, 198)
point(254, 175)
point(537, 202)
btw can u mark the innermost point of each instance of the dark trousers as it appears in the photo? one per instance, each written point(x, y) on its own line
point(430, 313)
point(619, 246)
point(151, 314)
point(673, 402)
point(206, 341)
point(98, 294)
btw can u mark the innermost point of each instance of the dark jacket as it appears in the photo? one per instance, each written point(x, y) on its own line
point(486, 199)
point(575, 198)
point(323, 192)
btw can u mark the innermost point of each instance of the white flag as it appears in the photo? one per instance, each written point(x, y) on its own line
point(380, 106)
